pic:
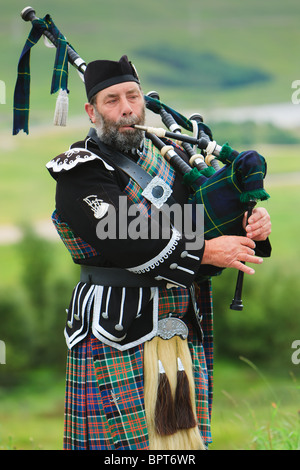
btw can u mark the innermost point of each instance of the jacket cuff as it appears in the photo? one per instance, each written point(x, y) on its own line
point(176, 264)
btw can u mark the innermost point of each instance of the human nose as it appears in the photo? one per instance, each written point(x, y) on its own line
point(126, 109)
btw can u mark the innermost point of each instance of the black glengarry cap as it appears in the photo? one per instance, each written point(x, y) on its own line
point(101, 74)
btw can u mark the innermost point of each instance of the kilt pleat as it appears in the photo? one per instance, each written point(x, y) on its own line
point(104, 398)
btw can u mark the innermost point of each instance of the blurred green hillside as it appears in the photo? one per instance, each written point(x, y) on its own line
point(195, 53)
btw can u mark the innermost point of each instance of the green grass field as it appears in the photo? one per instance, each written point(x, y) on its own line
point(252, 410)
point(31, 417)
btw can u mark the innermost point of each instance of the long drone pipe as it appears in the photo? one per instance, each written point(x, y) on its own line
point(211, 147)
point(168, 120)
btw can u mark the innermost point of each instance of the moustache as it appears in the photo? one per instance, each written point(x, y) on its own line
point(131, 122)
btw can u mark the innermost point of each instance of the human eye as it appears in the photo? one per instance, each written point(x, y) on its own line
point(133, 96)
point(111, 100)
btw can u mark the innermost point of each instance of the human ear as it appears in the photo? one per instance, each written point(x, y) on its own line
point(89, 108)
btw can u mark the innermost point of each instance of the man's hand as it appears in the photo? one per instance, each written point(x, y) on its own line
point(231, 252)
point(259, 224)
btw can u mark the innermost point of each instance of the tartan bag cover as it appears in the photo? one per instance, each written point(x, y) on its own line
point(225, 193)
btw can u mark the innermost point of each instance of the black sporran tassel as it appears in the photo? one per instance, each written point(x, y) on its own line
point(164, 409)
point(185, 418)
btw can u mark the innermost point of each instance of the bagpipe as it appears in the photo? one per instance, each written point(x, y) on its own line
point(226, 182)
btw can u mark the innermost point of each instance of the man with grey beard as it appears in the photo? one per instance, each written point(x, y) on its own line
point(108, 131)
point(141, 313)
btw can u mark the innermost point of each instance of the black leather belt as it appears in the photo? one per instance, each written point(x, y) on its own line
point(116, 277)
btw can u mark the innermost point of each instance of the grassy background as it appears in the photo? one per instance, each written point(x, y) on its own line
point(199, 56)
point(193, 46)
point(252, 410)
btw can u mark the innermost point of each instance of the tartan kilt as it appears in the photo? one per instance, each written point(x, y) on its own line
point(104, 406)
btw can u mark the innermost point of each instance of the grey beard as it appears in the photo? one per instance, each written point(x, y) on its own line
point(108, 132)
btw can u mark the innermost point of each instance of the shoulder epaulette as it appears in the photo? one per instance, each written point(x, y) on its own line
point(73, 157)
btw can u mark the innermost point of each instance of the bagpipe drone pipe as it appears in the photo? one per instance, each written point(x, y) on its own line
point(225, 192)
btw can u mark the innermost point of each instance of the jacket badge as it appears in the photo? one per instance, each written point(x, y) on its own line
point(98, 206)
